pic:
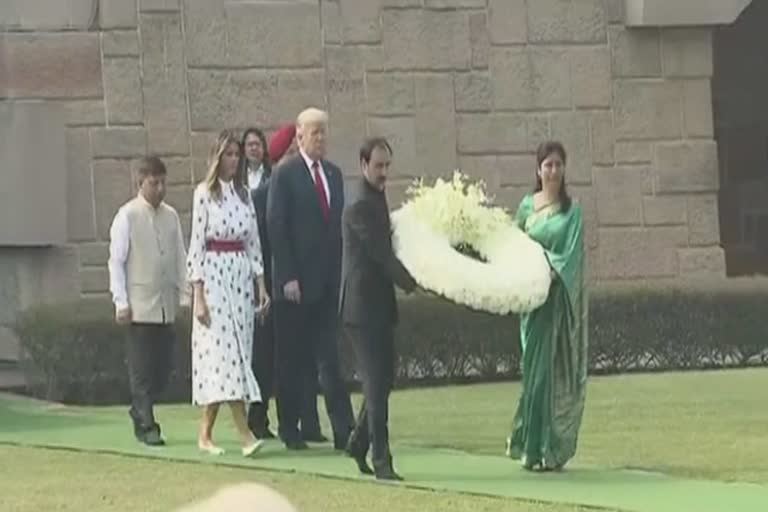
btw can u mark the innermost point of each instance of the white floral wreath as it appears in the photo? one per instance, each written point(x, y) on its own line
point(439, 225)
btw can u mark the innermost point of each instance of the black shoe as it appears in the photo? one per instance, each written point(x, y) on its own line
point(148, 435)
point(362, 464)
point(388, 474)
point(314, 437)
point(384, 470)
point(354, 451)
point(153, 438)
point(137, 430)
point(296, 445)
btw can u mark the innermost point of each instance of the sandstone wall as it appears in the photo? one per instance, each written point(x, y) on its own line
point(474, 84)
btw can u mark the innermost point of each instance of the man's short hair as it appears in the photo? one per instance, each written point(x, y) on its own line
point(372, 143)
point(312, 115)
point(150, 166)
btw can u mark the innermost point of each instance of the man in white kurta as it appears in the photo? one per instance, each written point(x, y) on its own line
point(148, 281)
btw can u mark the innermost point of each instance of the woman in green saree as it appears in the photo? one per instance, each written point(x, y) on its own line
point(546, 425)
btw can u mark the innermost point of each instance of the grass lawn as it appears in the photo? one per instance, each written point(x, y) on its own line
point(709, 425)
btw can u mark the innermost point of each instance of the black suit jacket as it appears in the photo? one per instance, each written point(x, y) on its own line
point(304, 245)
point(371, 268)
point(259, 198)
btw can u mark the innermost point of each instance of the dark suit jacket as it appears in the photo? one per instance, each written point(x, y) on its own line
point(304, 246)
point(259, 198)
point(371, 268)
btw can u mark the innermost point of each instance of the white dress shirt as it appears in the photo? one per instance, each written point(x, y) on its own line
point(255, 177)
point(119, 244)
point(323, 177)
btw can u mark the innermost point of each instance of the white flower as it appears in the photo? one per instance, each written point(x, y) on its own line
point(516, 277)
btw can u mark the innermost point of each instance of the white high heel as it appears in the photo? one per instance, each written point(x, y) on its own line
point(250, 451)
point(210, 449)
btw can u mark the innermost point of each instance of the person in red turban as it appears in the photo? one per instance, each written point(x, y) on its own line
point(263, 343)
point(282, 144)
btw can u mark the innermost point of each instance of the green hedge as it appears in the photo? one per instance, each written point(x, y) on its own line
point(649, 326)
point(75, 351)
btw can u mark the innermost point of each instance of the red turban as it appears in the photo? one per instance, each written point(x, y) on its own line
point(280, 141)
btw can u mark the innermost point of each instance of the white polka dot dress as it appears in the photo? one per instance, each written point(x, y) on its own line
point(221, 353)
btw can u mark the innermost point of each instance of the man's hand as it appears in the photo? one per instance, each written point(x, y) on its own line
point(292, 291)
point(123, 316)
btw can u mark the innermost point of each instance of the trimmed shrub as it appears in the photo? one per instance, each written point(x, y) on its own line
point(693, 324)
point(75, 352)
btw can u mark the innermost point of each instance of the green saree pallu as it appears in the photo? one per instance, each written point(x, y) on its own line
point(546, 425)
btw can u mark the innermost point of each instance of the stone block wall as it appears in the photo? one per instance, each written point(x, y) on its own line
point(475, 84)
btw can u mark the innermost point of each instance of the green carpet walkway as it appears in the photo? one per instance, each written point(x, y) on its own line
point(32, 423)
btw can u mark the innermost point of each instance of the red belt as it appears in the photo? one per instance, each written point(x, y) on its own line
point(224, 246)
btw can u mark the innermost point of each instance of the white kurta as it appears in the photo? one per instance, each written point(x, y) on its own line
point(221, 353)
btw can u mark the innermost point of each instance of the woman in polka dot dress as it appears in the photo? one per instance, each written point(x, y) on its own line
point(225, 268)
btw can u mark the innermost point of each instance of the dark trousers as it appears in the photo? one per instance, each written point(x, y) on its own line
point(264, 369)
point(307, 337)
point(149, 351)
point(310, 419)
point(375, 354)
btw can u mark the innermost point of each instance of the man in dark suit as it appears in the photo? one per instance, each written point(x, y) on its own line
point(281, 145)
point(369, 307)
point(304, 207)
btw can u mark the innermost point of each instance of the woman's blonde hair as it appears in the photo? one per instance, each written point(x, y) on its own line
point(220, 145)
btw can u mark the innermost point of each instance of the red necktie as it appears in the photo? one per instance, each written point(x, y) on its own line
point(321, 191)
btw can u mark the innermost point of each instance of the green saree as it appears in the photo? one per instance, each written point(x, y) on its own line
point(546, 425)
